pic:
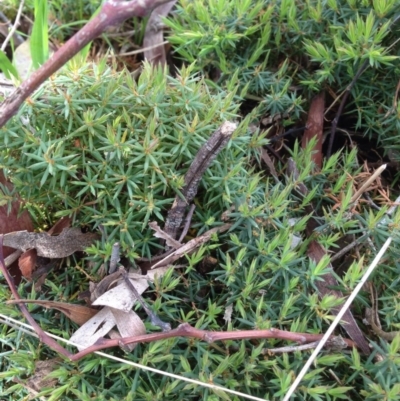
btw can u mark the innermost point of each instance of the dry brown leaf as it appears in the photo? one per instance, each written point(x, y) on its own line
point(98, 289)
point(27, 262)
point(121, 297)
point(12, 220)
point(64, 222)
point(77, 313)
point(129, 325)
point(96, 327)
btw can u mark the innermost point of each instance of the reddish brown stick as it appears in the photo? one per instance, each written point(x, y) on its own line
point(186, 330)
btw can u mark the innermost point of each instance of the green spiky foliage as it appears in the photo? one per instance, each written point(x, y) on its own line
point(114, 152)
point(106, 150)
point(285, 51)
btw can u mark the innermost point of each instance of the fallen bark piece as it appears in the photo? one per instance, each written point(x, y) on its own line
point(68, 242)
point(315, 127)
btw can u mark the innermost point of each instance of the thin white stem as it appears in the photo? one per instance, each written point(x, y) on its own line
point(337, 319)
point(14, 27)
point(138, 51)
point(7, 321)
point(364, 187)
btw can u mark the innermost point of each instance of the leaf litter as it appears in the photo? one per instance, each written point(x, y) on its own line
point(118, 302)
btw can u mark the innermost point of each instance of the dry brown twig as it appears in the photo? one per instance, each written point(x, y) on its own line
point(207, 153)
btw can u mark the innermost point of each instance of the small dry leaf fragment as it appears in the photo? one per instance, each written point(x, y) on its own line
point(159, 233)
point(64, 222)
point(39, 381)
point(228, 313)
point(27, 262)
point(23, 59)
point(98, 289)
point(96, 327)
point(118, 311)
point(121, 297)
point(79, 314)
point(129, 325)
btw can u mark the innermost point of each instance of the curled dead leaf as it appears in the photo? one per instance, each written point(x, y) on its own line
point(79, 314)
point(26, 263)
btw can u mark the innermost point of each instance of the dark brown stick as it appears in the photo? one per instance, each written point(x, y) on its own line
point(207, 153)
point(342, 103)
point(187, 223)
point(154, 35)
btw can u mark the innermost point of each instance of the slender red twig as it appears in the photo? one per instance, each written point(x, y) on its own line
point(186, 330)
